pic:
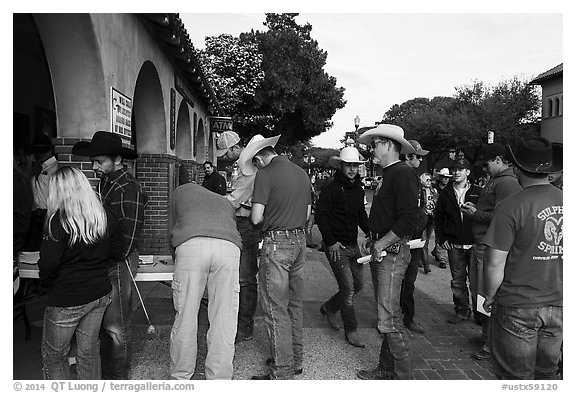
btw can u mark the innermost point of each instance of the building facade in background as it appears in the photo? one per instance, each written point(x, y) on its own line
point(133, 74)
point(552, 103)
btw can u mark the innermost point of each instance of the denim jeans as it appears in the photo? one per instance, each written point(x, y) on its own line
point(476, 278)
point(248, 270)
point(116, 334)
point(407, 291)
point(428, 231)
point(459, 260)
point(60, 325)
point(387, 276)
point(204, 262)
point(526, 342)
point(280, 288)
point(350, 281)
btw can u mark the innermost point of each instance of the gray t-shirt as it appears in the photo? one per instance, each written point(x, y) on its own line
point(284, 188)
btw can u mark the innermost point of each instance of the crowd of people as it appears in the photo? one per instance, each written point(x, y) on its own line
point(502, 241)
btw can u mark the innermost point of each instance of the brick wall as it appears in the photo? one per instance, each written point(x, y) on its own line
point(158, 175)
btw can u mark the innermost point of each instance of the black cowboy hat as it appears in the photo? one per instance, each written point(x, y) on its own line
point(42, 143)
point(537, 155)
point(103, 143)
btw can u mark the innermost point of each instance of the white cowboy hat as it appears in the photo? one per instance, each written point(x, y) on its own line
point(444, 172)
point(257, 143)
point(389, 131)
point(348, 154)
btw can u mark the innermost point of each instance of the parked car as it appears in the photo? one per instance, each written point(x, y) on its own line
point(367, 181)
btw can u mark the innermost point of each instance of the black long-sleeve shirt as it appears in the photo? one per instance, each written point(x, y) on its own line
point(340, 210)
point(395, 206)
point(215, 182)
point(78, 274)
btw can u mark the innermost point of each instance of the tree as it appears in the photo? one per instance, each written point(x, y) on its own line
point(297, 97)
point(234, 69)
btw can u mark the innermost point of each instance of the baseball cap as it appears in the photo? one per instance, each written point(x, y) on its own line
point(225, 141)
point(491, 151)
point(444, 172)
point(418, 148)
point(462, 163)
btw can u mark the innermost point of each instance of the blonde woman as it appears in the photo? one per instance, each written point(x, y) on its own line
point(73, 264)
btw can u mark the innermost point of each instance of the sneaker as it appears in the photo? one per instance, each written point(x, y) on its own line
point(311, 245)
point(377, 373)
point(427, 269)
point(482, 354)
point(299, 371)
point(458, 318)
point(415, 327)
point(442, 265)
point(332, 318)
point(242, 337)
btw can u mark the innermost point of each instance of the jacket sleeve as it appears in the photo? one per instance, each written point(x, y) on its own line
point(440, 218)
point(51, 252)
point(363, 217)
point(323, 208)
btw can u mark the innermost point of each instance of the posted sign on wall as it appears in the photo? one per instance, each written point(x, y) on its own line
point(220, 124)
point(121, 114)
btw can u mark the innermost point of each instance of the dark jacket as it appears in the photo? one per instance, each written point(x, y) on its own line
point(340, 210)
point(215, 182)
point(498, 188)
point(450, 223)
point(78, 274)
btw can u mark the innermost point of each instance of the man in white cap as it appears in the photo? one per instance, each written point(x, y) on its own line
point(393, 220)
point(523, 269)
point(281, 203)
point(230, 148)
point(339, 212)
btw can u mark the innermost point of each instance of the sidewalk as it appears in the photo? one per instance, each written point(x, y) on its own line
point(442, 353)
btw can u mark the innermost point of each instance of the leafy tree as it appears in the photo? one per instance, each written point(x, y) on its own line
point(297, 97)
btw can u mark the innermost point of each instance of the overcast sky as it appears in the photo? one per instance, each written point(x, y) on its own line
point(386, 59)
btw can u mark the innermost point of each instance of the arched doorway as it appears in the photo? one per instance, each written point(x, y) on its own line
point(183, 133)
point(148, 117)
point(200, 144)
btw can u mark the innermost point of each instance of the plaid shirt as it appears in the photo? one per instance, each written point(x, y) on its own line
point(124, 196)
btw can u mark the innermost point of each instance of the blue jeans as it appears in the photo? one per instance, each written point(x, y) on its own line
point(350, 281)
point(248, 270)
point(387, 277)
point(281, 286)
point(60, 325)
point(526, 342)
point(116, 334)
point(407, 291)
point(459, 260)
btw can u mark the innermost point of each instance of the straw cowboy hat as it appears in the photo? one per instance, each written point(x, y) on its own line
point(387, 131)
point(103, 143)
point(41, 144)
point(537, 155)
point(444, 172)
point(348, 154)
point(257, 143)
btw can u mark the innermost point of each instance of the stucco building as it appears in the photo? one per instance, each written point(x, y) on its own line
point(134, 74)
point(552, 103)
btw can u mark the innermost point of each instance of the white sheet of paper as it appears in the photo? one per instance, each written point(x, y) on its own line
point(480, 303)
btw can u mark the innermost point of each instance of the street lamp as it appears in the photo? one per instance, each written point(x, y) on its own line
point(357, 122)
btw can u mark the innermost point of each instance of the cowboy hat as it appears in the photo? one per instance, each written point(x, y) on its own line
point(387, 131)
point(225, 141)
point(103, 143)
point(444, 172)
point(536, 155)
point(348, 154)
point(41, 144)
point(257, 143)
point(418, 147)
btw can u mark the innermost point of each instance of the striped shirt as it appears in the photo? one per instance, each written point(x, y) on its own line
point(124, 196)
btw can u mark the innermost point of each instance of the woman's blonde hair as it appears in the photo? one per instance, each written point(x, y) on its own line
point(81, 213)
